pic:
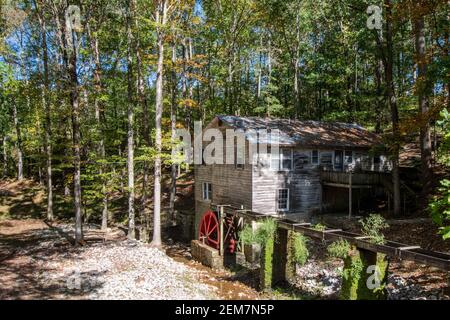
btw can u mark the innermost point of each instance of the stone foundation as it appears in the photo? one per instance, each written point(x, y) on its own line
point(206, 255)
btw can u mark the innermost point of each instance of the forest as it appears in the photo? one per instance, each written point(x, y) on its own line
point(91, 93)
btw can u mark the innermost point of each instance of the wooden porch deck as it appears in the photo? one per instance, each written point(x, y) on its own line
point(367, 179)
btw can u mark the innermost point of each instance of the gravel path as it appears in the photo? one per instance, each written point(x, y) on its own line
point(129, 270)
point(45, 266)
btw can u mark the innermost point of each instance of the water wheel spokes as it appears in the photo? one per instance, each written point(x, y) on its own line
point(209, 232)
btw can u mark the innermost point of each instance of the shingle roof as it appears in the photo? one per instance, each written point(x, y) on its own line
point(308, 133)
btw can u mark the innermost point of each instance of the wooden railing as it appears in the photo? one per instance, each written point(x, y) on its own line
point(359, 178)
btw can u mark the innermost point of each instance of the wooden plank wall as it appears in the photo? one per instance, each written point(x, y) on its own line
point(255, 188)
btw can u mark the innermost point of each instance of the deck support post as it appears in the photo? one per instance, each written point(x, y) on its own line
point(350, 189)
point(364, 276)
point(221, 217)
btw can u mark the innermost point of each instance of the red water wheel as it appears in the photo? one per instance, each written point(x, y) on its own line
point(209, 231)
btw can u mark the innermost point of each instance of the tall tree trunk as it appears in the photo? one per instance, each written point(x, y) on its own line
point(380, 97)
point(5, 157)
point(173, 122)
point(47, 107)
point(390, 92)
point(130, 117)
point(99, 118)
point(18, 142)
point(74, 97)
point(161, 15)
point(186, 90)
point(423, 93)
point(140, 86)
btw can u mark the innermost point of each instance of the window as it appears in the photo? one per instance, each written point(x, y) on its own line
point(326, 160)
point(283, 200)
point(286, 159)
point(376, 160)
point(203, 157)
point(348, 157)
point(301, 159)
point(338, 160)
point(207, 191)
point(315, 157)
point(282, 161)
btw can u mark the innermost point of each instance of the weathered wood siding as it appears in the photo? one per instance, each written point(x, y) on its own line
point(229, 186)
point(256, 187)
point(303, 182)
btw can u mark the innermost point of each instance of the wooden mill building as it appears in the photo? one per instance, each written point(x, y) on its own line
point(321, 167)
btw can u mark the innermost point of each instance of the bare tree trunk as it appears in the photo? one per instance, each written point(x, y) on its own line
point(380, 97)
point(72, 69)
point(47, 107)
point(173, 121)
point(5, 157)
point(161, 14)
point(140, 86)
point(186, 87)
point(258, 85)
point(424, 107)
point(18, 143)
point(99, 118)
point(130, 113)
point(390, 91)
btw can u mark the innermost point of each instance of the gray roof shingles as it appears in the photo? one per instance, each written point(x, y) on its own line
point(308, 133)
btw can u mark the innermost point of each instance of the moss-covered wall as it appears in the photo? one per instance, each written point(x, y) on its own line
point(266, 270)
point(277, 260)
point(356, 276)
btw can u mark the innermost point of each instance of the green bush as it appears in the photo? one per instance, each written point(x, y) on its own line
point(301, 252)
point(372, 227)
point(339, 249)
point(440, 209)
point(319, 227)
point(262, 234)
point(440, 204)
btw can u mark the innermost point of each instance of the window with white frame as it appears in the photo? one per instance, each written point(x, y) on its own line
point(283, 160)
point(283, 200)
point(207, 191)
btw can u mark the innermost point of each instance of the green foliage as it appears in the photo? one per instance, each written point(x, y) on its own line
point(339, 249)
point(440, 209)
point(372, 227)
point(355, 277)
point(319, 227)
point(301, 252)
point(266, 271)
point(264, 232)
point(440, 204)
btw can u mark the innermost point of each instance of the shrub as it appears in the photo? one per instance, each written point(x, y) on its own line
point(339, 249)
point(262, 234)
point(372, 227)
point(440, 204)
point(301, 252)
point(440, 209)
point(319, 227)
